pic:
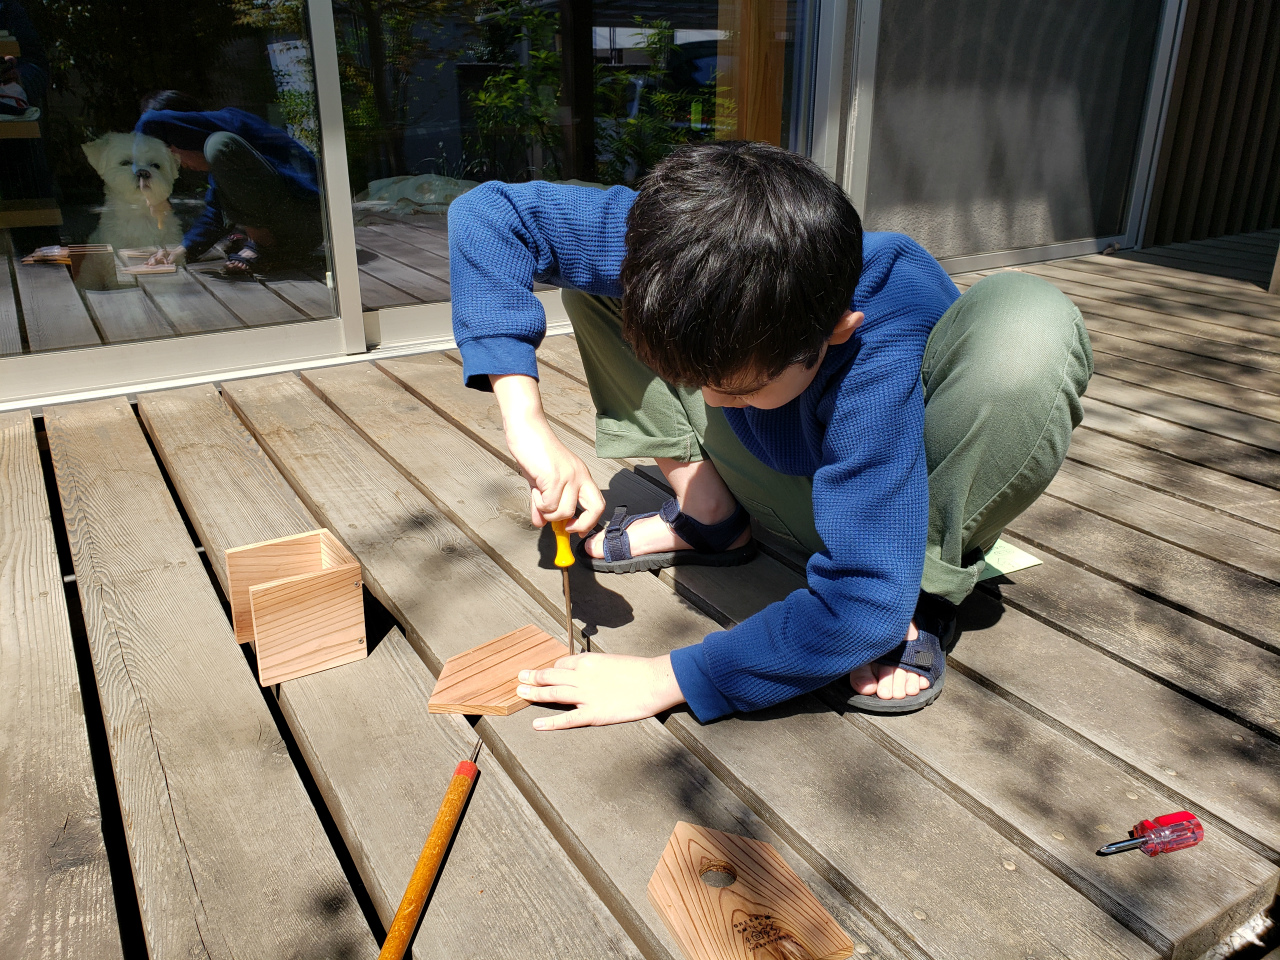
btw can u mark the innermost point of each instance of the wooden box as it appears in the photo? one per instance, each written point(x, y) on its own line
point(298, 600)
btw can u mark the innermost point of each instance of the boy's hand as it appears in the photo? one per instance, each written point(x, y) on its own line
point(606, 688)
point(558, 480)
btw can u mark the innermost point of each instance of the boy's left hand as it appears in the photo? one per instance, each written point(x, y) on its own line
point(604, 687)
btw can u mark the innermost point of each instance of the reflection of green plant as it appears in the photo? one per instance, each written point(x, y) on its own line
point(517, 136)
point(642, 114)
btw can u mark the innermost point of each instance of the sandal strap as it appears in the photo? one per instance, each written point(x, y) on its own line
point(922, 656)
point(617, 545)
point(705, 537)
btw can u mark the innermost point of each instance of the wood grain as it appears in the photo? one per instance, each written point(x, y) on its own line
point(54, 314)
point(376, 756)
point(764, 912)
point(187, 305)
point(255, 304)
point(1158, 470)
point(126, 315)
point(55, 886)
point(1218, 593)
point(845, 804)
point(229, 858)
point(1231, 457)
point(308, 623)
point(482, 681)
point(610, 794)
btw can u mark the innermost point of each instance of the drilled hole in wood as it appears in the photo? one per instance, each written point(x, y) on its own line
point(717, 873)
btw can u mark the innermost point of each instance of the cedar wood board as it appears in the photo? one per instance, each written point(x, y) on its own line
point(209, 829)
point(610, 794)
point(378, 759)
point(433, 379)
point(56, 883)
point(985, 908)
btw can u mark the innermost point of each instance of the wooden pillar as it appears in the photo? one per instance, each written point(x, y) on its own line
point(751, 66)
point(1275, 277)
point(577, 59)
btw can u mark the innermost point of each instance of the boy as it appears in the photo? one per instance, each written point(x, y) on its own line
point(261, 180)
point(737, 325)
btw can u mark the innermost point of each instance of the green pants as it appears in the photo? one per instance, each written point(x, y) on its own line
point(1003, 373)
point(254, 194)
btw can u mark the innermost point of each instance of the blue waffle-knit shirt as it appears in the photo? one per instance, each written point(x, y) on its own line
point(857, 431)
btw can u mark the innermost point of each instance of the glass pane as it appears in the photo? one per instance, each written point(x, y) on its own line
point(202, 213)
point(1002, 124)
point(440, 95)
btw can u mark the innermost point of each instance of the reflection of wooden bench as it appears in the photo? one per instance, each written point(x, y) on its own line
point(42, 212)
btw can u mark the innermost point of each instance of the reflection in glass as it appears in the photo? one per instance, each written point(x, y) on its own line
point(1004, 124)
point(440, 95)
point(163, 177)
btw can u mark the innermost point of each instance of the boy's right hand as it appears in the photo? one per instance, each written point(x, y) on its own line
point(559, 482)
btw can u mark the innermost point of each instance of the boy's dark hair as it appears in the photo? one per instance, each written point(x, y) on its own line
point(740, 259)
point(171, 100)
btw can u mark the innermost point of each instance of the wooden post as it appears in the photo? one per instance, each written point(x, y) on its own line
point(1275, 276)
point(577, 52)
point(750, 68)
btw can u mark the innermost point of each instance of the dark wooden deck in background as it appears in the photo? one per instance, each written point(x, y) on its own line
point(1137, 671)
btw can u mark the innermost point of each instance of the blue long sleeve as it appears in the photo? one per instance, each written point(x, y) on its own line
point(858, 431)
point(502, 238)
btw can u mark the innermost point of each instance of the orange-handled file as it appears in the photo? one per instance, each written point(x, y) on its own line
point(424, 874)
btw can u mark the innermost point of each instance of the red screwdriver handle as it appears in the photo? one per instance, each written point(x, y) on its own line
point(1173, 831)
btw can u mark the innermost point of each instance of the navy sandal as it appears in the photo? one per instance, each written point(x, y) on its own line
point(935, 621)
point(710, 542)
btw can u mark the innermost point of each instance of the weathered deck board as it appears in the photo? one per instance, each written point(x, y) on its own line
point(1231, 457)
point(1242, 545)
point(378, 757)
point(400, 246)
point(1197, 365)
point(1179, 278)
point(10, 333)
point(959, 886)
point(228, 854)
point(126, 315)
point(1160, 471)
point(54, 314)
point(1175, 295)
point(249, 300)
point(1220, 767)
point(188, 305)
point(56, 896)
point(416, 285)
point(610, 794)
point(738, 594)
point(1130, 295)
point(310, 296)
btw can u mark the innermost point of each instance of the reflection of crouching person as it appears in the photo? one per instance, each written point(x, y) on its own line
point(261, 181)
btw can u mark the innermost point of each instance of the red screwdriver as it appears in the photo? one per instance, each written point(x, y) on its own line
point(1173, 831)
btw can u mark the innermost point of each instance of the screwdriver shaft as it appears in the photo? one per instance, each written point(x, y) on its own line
point(568, 610)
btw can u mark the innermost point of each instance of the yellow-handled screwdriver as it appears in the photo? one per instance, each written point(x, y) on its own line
point(564, 560)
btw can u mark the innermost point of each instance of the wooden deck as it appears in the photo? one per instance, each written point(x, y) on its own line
point(1135, 672)
point(41, 308)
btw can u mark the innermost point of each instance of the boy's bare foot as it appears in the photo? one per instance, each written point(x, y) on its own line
point(887, 681)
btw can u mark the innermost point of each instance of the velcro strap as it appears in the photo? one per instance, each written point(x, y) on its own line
point(705, 537)
point(617, 545)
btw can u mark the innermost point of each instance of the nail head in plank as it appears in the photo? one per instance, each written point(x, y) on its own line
point(764, 910)
point(836, 823)
point(369, 744)
point(482, 681)
point(56, 882)
point(215, 814)
point(609, 793)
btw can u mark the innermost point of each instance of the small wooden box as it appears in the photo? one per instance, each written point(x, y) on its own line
point(298, 601)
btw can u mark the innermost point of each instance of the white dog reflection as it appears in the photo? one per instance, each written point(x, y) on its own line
point(138, 174)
